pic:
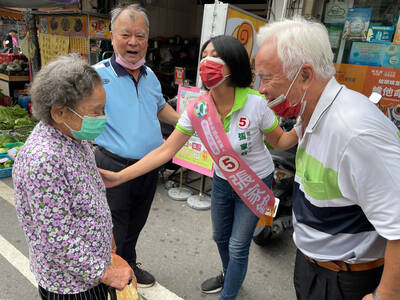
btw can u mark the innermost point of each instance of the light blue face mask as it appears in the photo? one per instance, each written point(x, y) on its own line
point(91, 127)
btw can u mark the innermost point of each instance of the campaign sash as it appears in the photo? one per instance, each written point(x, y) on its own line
point(249, 187)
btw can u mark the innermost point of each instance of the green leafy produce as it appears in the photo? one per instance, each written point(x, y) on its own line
point(7, 164)
point(14, 116)
point(23, 121)
point(6, 139)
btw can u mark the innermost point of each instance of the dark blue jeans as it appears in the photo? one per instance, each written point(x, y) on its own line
point(233, 226)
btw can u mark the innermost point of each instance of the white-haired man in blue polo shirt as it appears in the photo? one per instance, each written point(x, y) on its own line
point(346, 203)
point(134, 107)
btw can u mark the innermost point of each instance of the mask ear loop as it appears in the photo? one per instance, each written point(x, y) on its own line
point(75, 113)
point(294, 79)
point(303, 103)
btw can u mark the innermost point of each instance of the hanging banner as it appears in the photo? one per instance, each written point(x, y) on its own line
point(51, 46)
point(193, 155)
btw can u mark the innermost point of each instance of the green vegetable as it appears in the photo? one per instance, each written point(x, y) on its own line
point(7, 164)
point(6, 139)
point(12, 116)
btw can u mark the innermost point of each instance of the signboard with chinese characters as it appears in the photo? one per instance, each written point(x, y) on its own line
point(385, 81)
point(51, 46)
point(193, 155)
point(368, 79)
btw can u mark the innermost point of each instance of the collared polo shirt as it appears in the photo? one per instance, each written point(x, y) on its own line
point(132, 128)
point(346, 200)
point(245, 125)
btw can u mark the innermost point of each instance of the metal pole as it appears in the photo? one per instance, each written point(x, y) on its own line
point(180, 193)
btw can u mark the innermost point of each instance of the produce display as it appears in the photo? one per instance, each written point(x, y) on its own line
point(18, 67)
point(5, 163)
point(13, 117)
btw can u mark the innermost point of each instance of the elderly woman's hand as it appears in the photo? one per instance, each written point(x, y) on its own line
point(110, 178)
point(118, 274)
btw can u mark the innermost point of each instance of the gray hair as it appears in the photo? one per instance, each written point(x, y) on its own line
point(133, 9)
point(300, 41)
point(65, 81)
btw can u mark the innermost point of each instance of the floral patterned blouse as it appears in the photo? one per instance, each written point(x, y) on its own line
point(61, 205)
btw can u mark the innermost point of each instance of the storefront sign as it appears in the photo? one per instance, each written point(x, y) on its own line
point(244, 27)
point(193, 155)
point(367, 79)
point(385, 81)
point(51, 46)
point(352, 76)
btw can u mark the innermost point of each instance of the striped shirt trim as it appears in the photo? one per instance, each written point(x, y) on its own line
point(272, 127)
point(184, 130)
point(331, 220)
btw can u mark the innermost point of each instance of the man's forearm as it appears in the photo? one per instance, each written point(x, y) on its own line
point(168, 115)
point(389, 287)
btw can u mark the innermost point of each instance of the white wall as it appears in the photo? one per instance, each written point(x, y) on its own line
point(175, 17)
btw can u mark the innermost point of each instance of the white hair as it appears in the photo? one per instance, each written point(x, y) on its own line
point(133, 9)
point(300, 41)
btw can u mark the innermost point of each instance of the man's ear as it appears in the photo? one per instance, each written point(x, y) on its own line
point(307, 75)
point(58, 114)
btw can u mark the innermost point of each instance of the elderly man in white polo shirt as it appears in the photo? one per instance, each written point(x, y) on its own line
point(346, 205)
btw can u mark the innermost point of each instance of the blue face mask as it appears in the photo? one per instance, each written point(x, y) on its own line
point(91, 127)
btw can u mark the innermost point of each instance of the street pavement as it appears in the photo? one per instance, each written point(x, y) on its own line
point(175, 246)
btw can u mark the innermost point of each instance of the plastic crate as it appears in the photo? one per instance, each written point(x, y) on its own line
point(7, 172)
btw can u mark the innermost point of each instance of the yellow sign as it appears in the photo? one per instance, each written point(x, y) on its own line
point(52, 46)
point(244, 27)
point(78, 45)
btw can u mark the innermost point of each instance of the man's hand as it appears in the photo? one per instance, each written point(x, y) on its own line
point(110, 178)
point(368, 297)
point(118, 274)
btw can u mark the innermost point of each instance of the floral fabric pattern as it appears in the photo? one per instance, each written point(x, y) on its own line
point(61, 205)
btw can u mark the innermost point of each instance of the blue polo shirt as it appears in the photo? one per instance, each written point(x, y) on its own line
point(132, 129)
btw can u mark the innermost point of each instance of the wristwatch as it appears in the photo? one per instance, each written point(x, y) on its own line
point(375, 295)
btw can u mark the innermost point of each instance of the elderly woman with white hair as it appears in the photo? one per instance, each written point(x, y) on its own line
point(59, 195)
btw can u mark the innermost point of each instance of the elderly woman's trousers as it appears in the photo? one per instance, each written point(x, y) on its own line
point(97, 293)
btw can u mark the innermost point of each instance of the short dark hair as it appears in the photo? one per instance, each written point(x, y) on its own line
point(233, 53)
point(13, 30)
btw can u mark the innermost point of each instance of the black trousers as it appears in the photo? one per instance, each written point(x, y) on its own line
point(313, 282)
point(99, 292)
point(129, 203)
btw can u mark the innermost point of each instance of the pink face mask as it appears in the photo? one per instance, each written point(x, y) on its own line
point(282, 107)
point(126, 64)
point(211, 71)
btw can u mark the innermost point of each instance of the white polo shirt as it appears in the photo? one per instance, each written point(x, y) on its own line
point(346, 200)
point(245, 125)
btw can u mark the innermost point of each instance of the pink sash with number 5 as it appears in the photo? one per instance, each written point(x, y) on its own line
point(250, 188)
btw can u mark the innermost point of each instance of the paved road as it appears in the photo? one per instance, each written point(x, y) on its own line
point(175, 246)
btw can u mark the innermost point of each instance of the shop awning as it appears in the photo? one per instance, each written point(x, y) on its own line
point(38, 3)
